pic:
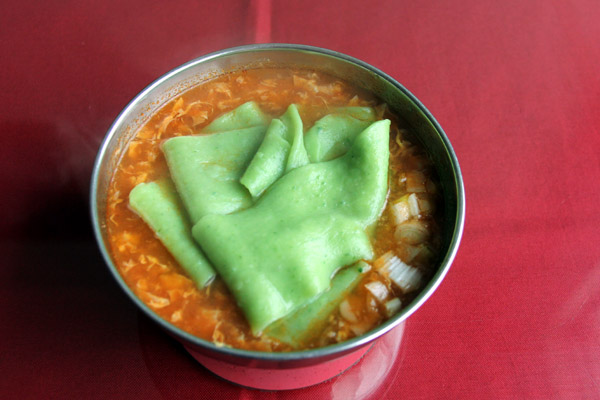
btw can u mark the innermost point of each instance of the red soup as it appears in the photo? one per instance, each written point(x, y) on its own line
point(405, 239)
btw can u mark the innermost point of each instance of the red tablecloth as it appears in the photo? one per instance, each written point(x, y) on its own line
point(516, 86)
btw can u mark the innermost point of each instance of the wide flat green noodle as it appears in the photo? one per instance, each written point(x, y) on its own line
point(268, 164)
point(309, 321)
point(281, 151)
point(333, 135)
point(297, 156)
point(245, 116)
point(159, 206)
point(206, 168)
point(282, 252)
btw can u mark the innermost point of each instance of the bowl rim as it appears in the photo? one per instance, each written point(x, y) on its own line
point(330, 351)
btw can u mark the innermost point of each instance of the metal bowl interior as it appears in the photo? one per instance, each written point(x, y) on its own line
point(426, 131)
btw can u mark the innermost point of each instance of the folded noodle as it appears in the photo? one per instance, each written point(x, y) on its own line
point(245, 116)
point(308, 322)
point(206, 168)
point(310, 222)
point(158, 205)
point(281, 151)
point(295, 136)
point(333, 135)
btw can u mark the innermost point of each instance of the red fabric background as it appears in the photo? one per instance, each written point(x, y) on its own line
point(516, 86)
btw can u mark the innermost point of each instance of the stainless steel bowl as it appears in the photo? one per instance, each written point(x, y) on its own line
point(427, 132)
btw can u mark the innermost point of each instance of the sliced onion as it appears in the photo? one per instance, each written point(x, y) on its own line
point(412, 232)
point(384, 260)
point(425, 254)
point(407, 252)
point(407, 278)
point(378, 290)
point(346, 312)
point(413, 205)
point(392, 306)
point(425, 205)
point(359, 329)
point(400, 211)
point(415, 182)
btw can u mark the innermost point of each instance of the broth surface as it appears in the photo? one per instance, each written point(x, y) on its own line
point(211, 313)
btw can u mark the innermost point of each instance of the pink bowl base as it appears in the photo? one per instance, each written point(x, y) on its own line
point(279, 379)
